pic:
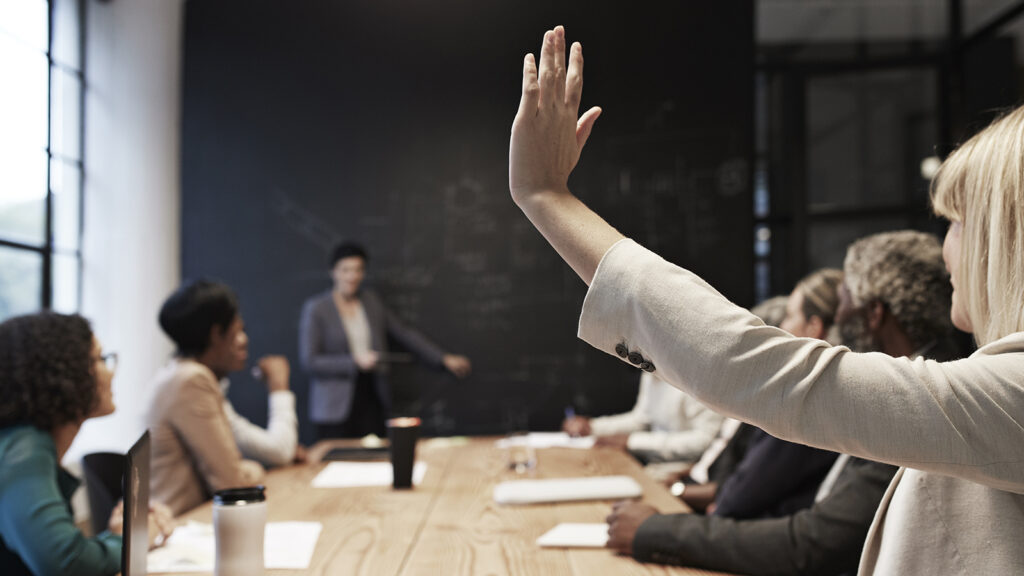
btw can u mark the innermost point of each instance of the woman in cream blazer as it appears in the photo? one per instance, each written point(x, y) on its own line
point(955, 428)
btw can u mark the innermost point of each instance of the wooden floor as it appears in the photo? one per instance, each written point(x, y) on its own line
point(450, 524)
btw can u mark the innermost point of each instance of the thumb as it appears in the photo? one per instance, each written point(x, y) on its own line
point(585, 125)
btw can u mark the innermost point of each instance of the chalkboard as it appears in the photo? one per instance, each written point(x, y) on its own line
point(387, 121)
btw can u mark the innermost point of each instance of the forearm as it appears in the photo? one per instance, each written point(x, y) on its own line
point(275, 444)
point(576, 232)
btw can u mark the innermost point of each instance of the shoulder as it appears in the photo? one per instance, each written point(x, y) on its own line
point(24, 449)
point(316, 302)
point(187, 376)
point(1011, 344)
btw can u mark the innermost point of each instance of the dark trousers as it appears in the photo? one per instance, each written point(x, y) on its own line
point(366, 417)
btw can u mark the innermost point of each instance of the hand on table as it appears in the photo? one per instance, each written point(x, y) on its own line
point(624, 521)
point(617, 441)
point(161, 523)
point(301, 455)
point(577, 426)
point(457, 364)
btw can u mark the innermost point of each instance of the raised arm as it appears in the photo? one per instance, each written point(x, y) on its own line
point(547, 139)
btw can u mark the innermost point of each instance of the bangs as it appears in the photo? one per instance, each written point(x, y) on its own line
point(948, 188)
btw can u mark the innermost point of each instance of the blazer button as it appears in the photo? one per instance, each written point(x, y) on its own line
point(621, 350)
point(635, 358)
point(646, 366)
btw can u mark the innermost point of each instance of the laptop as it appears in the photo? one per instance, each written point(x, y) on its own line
point(135, 485)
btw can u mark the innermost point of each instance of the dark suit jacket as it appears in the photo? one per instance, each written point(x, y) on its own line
point(826, 538)
point(325, 355)
point(774, 478)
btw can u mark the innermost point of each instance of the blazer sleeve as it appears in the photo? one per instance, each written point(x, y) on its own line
point(37, 525)
point(771, 473)
point(824, 539)
point(957, 418)
point(203, 427)
point(316, 360)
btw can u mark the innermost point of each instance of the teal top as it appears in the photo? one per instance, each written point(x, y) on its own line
point(37, 528)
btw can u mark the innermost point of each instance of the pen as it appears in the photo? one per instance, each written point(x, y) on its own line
point(570, 412)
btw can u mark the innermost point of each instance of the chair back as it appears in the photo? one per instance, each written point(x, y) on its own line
point(103, 473)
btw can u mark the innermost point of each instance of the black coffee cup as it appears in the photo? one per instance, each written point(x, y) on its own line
point(403, 433)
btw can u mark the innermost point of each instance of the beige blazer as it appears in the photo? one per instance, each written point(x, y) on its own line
point(193, 452)
point(957, 428)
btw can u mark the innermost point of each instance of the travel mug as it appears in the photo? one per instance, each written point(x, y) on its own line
point(403, 432)
point(239, 521)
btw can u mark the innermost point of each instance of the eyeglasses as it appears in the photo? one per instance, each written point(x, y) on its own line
point(110, 359)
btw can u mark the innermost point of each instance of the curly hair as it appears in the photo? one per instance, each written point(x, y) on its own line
point(904, 271)
point(46, 370)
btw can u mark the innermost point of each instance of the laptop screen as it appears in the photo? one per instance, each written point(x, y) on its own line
point(136, 509)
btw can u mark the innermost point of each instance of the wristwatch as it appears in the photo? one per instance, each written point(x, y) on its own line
point(677, 489)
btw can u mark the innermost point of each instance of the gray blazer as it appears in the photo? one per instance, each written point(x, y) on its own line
point(325, 356)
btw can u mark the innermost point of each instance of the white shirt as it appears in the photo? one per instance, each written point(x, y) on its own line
point(666, 424)
point(273, 445)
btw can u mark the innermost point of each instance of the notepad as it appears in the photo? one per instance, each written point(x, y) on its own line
point(575, 535)
point(286, 546)
point(355, 474)
point(566, 490)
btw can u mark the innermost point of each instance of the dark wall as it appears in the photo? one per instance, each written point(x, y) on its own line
point(387, 121)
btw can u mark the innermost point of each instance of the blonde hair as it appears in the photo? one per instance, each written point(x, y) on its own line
point(981, 185)
point(821, 294)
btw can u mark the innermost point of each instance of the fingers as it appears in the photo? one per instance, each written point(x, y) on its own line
point(531, 90)
point(559, 95)
point(546, 74)
point(574, 77)
point(585, 125)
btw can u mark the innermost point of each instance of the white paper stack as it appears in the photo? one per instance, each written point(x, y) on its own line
point(541, 440)
point(286, 546)
point(567, 490)
point(575, 535)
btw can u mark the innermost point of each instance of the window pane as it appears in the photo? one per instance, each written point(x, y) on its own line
point(21, 276)
point(65, 283)
point(66, 37)
point(23, 101)
point(65, 180)
point(65, 117)
point(23, 201)
point(25, 21)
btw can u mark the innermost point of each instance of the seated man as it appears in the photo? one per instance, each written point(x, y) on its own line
point(192, 426)
point(895, 299)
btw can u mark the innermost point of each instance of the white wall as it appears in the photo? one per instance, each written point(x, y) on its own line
point(131, 236)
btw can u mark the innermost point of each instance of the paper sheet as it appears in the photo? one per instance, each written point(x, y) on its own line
point(355, 474)
point(575, 535)
point(286, 546)
point(541, 440)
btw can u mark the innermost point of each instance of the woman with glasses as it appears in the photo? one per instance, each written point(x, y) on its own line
point(53, 376)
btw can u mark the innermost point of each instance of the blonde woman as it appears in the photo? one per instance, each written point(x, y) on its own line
point(956, 429)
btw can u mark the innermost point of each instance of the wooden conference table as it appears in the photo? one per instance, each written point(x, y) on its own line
point(450, 523)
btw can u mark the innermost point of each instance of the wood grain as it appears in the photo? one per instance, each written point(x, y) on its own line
point(450, 523)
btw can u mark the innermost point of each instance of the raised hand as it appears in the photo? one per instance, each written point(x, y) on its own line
point(547, 136)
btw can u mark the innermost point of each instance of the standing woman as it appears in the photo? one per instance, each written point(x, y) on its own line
point(53, 376)
point(343, 346)
point(957, 428)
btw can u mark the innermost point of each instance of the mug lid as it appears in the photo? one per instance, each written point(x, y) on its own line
point(239, 495)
